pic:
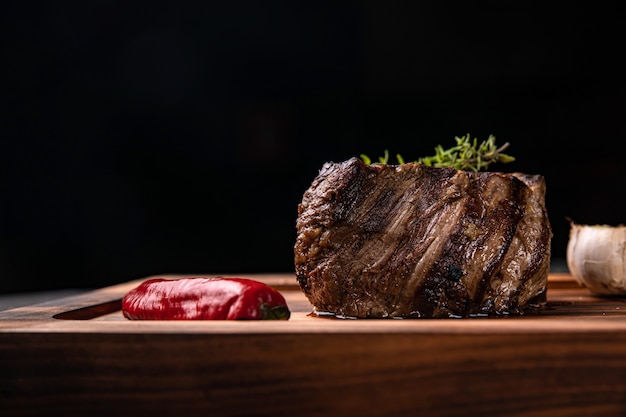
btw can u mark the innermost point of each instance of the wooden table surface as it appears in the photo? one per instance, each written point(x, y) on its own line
point(78, 356)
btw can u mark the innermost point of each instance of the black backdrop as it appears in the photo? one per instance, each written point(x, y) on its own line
point(166, 137)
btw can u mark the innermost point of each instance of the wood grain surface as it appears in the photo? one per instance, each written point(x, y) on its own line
point(79, 356)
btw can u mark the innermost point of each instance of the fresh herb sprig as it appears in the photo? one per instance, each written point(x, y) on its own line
point(468, 155)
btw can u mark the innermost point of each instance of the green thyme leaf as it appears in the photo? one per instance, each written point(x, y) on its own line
point(384, 159)
point(366, 159)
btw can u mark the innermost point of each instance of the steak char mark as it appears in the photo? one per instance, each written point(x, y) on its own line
point(409, 241)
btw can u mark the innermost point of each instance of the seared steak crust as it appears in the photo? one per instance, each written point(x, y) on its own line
point(404, 241)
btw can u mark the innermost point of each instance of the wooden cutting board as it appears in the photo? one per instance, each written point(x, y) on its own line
point(79, 356)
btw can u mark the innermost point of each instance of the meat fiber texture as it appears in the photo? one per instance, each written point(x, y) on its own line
point(412, 241)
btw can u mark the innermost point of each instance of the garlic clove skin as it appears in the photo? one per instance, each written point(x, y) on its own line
point(596, 258)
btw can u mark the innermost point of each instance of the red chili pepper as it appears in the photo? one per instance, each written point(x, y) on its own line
point(203, 298)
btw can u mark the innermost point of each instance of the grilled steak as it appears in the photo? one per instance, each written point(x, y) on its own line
point(409, 241)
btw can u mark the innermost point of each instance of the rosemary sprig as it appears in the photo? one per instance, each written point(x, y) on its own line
point(467, 155)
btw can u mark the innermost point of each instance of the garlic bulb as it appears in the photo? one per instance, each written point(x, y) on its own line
point(596, 258)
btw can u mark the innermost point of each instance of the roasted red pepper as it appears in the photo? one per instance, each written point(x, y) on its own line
point(204, 298)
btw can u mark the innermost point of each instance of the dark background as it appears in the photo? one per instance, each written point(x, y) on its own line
point(175, 137)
